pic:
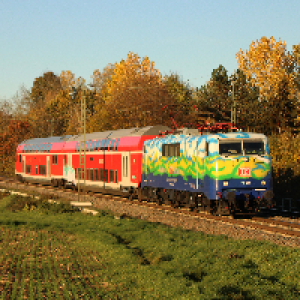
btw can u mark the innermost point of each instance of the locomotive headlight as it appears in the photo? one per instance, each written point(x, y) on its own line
point(263, 182)
point(225, 183)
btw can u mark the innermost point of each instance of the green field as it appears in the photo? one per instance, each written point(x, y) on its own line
point(50, 251)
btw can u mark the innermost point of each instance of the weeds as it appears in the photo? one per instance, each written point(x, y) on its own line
point(18, 203)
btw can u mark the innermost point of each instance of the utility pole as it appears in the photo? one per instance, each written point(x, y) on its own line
point(233, 105)
point(83, 129)
point(82, 122)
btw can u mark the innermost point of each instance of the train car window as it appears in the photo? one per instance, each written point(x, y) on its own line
point(106, 146)
point(42, 169)
point(91, 174)
point(111, 175)
point(36, 170)
point(28, 169)
point(102, 144)
point(106, 175)
point(91, 158)
point(97, 145)
point(101, 174)
point(96, 174)
point(117, 143)
point(253, 147)
point(54, 159)
point(116, 176)
point(79, 173)
point(112, 144)
point(80, 146)
point(227, 148)
point(171, 149)
point(19, 158)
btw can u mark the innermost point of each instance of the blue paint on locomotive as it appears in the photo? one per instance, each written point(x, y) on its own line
point(208, 186)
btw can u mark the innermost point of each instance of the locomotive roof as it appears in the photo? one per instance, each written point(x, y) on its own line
point(137, 131)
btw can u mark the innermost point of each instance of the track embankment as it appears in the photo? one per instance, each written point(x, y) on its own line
point(282, 233)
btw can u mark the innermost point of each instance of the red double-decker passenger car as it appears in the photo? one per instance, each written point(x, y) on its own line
point(113, 159)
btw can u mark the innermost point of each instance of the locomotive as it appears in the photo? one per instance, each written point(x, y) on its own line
point(219, 172)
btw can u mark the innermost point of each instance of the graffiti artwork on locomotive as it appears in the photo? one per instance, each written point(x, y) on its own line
point(221, 173)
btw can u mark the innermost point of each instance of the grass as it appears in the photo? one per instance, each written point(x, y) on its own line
point(51, 252)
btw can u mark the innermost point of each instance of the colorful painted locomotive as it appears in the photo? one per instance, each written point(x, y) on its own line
point(220, 172)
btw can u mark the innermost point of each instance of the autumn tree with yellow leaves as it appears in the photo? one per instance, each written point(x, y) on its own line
point(132, 94)
point(269, 66)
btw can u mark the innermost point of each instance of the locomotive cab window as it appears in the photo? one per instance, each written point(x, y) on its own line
point(241, 147)
point(227, 148)
point(171, 150)
point(254, 147)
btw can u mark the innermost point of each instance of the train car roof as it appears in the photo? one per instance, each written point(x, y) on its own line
point(52, 139)
point(112, 134)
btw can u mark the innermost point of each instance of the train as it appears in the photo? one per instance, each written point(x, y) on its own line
point(216, 171)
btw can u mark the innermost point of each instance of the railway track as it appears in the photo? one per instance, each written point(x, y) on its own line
point(256, 223)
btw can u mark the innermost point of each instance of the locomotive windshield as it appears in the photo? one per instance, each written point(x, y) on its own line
point(241, 147)
point(254, 147)
point(230, 148)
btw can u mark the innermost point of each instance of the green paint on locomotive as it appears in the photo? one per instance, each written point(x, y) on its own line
point(190, 165)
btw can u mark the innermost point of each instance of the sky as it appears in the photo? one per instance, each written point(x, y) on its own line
point(187, 37)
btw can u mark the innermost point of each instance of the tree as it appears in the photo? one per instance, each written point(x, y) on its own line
point(132, 94)
point(47, 84)
point(100, 80)
point(271, 68)
point(15, 132)
point(214, 96)
point(5, 115)
point(22, 104)
point(248, 108)
point(186, 110)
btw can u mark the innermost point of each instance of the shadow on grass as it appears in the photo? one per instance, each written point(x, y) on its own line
point(13, 223)
point(194, 276)
point(135, 250)
point(233, 292)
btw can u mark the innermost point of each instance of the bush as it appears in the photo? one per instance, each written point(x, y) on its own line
point(285, 152)
point(18, 203)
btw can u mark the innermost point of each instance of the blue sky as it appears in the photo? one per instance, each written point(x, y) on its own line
point(190, 38)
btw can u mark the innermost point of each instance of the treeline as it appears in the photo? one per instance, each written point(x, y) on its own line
point(133, 93)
